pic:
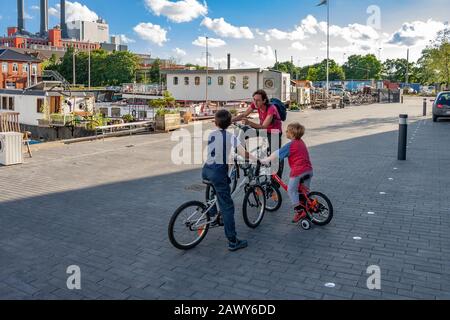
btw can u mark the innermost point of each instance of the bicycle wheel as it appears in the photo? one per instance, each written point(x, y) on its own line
point(188, 225)
point(273, 198)
point(321, 212)
point(209, 194)
point(254, 206)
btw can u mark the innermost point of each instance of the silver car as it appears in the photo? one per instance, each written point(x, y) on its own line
point(441, 106)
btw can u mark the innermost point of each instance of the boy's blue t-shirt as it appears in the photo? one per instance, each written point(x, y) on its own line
point(220, 145)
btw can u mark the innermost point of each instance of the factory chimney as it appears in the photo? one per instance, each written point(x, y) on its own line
point(20, 16)
point(44, 17)
point(228, 61)
point(64, 33)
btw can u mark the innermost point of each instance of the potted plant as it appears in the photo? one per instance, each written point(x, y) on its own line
point(45, 121)
point(167, 119)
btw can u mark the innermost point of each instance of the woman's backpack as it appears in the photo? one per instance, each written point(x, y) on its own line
point(282, 110)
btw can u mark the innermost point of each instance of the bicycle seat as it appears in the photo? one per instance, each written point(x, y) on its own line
point(207, 182)
point(305, 178)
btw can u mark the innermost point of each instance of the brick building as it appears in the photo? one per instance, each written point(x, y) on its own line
point(18, 70)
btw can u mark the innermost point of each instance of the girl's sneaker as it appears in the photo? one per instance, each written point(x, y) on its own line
point(299, 215)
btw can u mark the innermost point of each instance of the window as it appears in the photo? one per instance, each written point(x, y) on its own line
point(175, 81)
point(4, 103)
point(25, 68)
point(115, 112)
point(34, 70)
point(5, 67)
point(246, 82)
point(197, 81)
point(186, 81)
point(11, 103)
point(220, 81)
point(233, 82)
point(104, 112)
point(40, 105)
point(209, 81)
point(142, 114)
point(15, 67)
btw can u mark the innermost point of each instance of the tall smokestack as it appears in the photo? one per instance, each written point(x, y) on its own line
point(63, 20)
point(20, 16)
point(228, 61)
point(44, 17)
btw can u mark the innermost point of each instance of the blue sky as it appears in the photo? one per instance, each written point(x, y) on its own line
point(252, 30)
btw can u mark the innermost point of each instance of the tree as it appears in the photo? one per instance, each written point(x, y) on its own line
point(336, 72)
point(106, 68)
point(395, 70)
point(155, 71)
point(434, 65)
point(360, 67)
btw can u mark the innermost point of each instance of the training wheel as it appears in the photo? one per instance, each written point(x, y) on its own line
point(305, 224)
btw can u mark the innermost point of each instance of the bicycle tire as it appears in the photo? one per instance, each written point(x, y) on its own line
point(173, 219)
point(252, 192)
point(330, 209)
point(269, 194)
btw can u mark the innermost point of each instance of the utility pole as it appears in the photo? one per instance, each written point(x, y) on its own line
point(89, 66)
point(207, 71)
point(276, 57)
point(73, 69)
point(407, 68)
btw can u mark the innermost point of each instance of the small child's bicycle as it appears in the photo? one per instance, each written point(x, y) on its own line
point(318, 207)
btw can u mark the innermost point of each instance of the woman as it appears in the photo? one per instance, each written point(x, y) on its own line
point(269, 120)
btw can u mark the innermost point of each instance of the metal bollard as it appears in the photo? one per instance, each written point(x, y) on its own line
point(424, 107)
point(402, 137)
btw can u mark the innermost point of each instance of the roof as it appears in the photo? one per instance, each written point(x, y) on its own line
point(12, 55)
point(177, 71)
point(41, 54)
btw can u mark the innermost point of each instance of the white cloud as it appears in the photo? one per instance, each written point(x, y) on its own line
point(178, 11)
point(416, 33)
point(212, 42)
point(264, 53)
point(123, 39)
point(223, 62)
point(307, 27)
point(74, 11)
point(27, 16)
point(34, 7)
point(151, 32)
point(298, 46)
point(77, 11)
point(53, 12)
point(224, 29)
point(179, 52)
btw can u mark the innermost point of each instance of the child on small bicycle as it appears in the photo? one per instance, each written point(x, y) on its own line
point(300, 164)
point(215, 171)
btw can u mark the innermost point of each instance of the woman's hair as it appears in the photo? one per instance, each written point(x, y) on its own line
point(264, 96)
point(223, 119)
point(297, 130)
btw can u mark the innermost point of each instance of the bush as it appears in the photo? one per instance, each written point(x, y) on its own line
point(128, 118)
point(163, 111)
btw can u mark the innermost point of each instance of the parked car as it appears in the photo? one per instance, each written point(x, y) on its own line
point(441, 106)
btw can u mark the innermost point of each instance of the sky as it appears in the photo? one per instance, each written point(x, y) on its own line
point(252, 30)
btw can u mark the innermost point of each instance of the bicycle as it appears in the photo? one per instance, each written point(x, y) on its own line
point(317, 205)
point(194, 218)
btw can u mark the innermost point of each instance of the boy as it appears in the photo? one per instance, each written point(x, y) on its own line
point(300, 163)
point(220, 144)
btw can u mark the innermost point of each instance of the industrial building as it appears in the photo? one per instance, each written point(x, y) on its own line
point(81, 35)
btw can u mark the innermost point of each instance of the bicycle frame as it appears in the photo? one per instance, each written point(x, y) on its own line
point(302, 189)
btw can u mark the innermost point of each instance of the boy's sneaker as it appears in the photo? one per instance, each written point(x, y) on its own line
point(239, 244)
point(299, 215)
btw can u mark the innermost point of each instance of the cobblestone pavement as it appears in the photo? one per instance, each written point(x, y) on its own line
point(105, 207)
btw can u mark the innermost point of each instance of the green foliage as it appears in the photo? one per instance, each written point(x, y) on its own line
point(167, 101)
point(106, 68)
point(360, 67)
point(128, 118)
